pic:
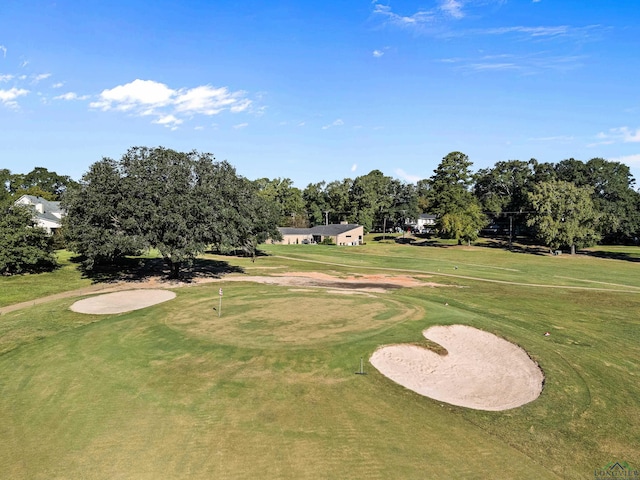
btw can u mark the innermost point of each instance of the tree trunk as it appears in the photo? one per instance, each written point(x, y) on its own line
point(573, 249)
point(174, 268)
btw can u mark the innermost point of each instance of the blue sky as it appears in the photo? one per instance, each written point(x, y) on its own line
point(318, 91)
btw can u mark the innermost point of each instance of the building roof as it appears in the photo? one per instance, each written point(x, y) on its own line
point(51, 210)
point(323, 230)
point(294, 231)
point(333, 229)
point(47, 205)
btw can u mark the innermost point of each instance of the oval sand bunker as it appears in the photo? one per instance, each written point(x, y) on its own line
point(119, 302)
point(480, 371)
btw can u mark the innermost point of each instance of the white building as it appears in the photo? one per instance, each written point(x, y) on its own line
point(48, 214)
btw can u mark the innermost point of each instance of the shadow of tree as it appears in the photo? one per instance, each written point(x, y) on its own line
point(131, 269)
point(530, 249)
point(626, 256)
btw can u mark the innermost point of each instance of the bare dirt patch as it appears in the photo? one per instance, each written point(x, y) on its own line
point(371, 283)
point(480, 371)
point(119, 302)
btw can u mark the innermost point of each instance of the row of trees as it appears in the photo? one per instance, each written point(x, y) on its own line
point(568, 204)
point(182, 203)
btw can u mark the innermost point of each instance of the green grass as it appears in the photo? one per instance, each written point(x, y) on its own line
point(268, 389)
point(22, 288)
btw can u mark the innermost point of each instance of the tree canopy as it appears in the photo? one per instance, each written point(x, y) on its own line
point(24, 247)
point(179, 203)
point(563, 215)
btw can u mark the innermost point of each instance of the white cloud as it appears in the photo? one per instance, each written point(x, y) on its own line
point(617, 135)
point(168, 121)
point(199, 127)
point(40, 77)
point(378, 53)
point(557, 138)
point(205, 100)
point(5, 77)
point(58, 85)
point(452, 8)
point(71, 96)
point(419, 18)
point(3, 49)
point(531, 31)
point(8, 97)
point(335, 123)
point(134, 94)
point(24, 63)
point(241, 125)
point(151, 98)
point(406, 176)
point(628, 135)
point(354, 167)
point(627, 159)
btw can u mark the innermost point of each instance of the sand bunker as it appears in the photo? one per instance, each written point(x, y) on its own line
point(480, 371)
point(125, 301)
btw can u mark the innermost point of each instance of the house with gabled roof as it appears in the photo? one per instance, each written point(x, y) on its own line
point(47, 214)
point(340, 234)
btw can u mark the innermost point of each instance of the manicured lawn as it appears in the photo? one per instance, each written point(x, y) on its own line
point(268, 389)
point(22, 288)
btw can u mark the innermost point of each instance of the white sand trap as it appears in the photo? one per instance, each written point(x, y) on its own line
point(125, 301)
point(481, 370)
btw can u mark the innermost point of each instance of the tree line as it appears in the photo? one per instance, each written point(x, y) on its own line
point(568, 204)
point(182, 203)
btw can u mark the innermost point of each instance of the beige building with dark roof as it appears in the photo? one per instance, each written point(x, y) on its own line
point(340, 234)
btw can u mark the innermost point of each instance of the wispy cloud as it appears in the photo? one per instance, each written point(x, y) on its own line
point(336, 123)
point(151, 98)
point(38, 78)
point(443, 20)
point(414, 21)
point(452, 8)
point(617, 135)
point(554, 31)
point(557, 138)
point(241, 125)
point(71, 96)
point(3, 49)
point(530, 64)
point(5, 77)
point(378, 53)
point(58, 85)
point(169, 121)
point(400, 173)
point(354, 167)
point(627, 159)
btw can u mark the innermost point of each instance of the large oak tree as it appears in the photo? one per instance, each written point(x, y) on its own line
point(179, 203)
